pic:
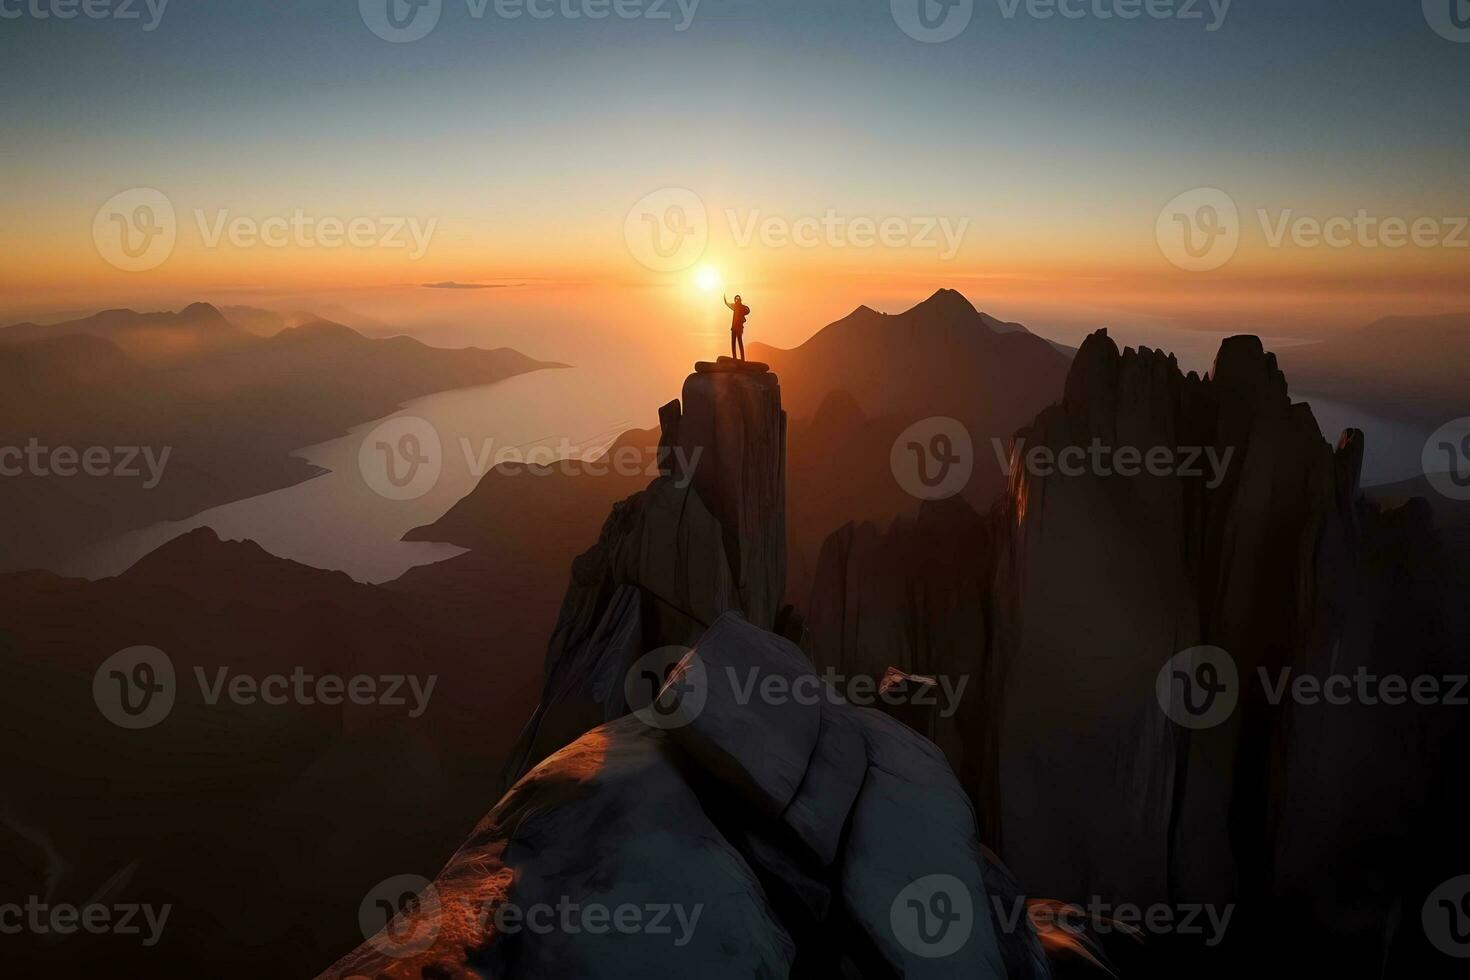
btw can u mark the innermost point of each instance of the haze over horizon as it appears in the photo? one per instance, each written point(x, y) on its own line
point(1028, 160)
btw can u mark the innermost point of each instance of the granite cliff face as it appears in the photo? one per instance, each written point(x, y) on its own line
point(915, 597)
point(1065, 603)
point(706, 537)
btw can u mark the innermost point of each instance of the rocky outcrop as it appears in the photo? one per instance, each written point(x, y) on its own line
point(706, 537)
point(772, 839)
point(1104, 577)
point(1069, 600)
point(913, 597)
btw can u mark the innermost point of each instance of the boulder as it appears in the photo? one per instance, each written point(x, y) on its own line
point(786, 838)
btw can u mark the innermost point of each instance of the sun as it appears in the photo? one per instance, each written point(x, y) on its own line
point(707, 278)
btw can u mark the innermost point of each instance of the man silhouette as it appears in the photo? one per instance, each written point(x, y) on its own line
point(737, 326)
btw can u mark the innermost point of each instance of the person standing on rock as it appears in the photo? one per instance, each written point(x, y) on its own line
point(737, 326)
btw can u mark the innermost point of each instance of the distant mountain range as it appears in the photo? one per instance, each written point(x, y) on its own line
point(1412, 368)
point(849, 392)
point(229, 407)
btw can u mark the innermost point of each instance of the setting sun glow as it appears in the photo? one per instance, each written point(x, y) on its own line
point(707, 278)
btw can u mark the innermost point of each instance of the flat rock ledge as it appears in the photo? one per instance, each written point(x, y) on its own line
point(728, 365)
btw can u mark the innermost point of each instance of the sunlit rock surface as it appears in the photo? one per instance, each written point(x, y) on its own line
point(782, 841)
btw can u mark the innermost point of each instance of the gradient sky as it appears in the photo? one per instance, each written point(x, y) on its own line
point(529, 140)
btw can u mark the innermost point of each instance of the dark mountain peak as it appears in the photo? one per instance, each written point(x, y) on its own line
point(1243, 361)
point(945, 302)
point(195, 550)
point(195, 314)
point(200, 562)
point(119, 314)
point(204, 312)
point(861, 315)
point(1093, 371)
